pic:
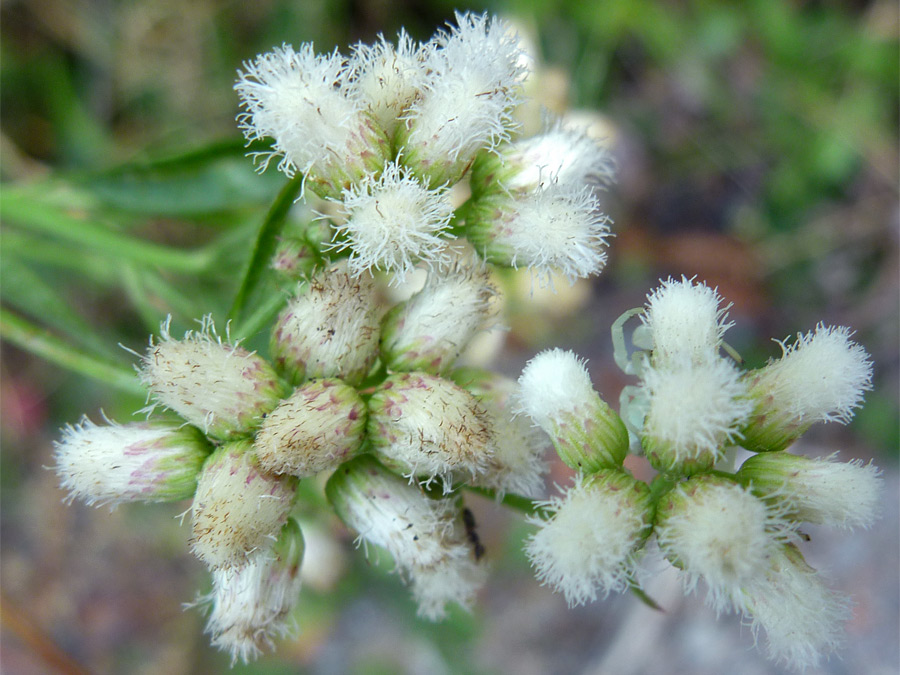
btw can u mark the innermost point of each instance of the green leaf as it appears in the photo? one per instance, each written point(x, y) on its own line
point(41, 342)
point(264, 247)
point(27, 291)
point(22, 209)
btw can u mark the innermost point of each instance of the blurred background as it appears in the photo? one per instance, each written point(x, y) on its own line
point(757, 146)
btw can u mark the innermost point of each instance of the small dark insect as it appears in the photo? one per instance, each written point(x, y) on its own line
point(471, 534)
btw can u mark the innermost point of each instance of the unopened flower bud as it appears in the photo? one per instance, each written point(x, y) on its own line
point(295, 258)
point(821, 490)
point(428, 332)
point(140, 461)
point(517, 464)
point(321, 425)
point(803, 618)
point(221, 388)
point(556, 228)
point(426, 537)
point(250, 606)
point(589, 541)
point(392, 221)
point(820, 378)
point(716, 530)
point(694, 412)
point(466, 101)
point(299, 99)
point(430, 426)
point(684, 320)
point(239, 509)
point(330, 329)
point(556, 392)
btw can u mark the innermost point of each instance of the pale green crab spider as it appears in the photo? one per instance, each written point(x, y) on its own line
point(633, 400)
point(641, 340)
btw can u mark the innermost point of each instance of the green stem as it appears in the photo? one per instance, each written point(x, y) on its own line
point(517, 502)
point(34, 215)
point(266, 241)
point(39, 341)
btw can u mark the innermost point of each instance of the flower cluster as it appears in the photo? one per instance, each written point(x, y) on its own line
point(368, 395)
point(352, 388)
point(387, 132)
point(736, 531)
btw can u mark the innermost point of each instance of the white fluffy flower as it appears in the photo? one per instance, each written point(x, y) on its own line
point(466, 103)
point(720, 532)
point(817, 490)
point(819, 378)
point(694, 410)
point(329, 329)
point(456, 578)
point(803, 619)
point(684, 318)
point(221, 388)
point(588, 542)
point(556, 392)
point(142, 461)
point(430, 330)
point(386, 79)
point(251, 605)
point(295, 98)
point(558, 228)
point(393, 221)
point(553, 383)
point(424, 536)
point(559, 155)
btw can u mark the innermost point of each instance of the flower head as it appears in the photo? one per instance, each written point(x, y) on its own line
point(329, 329)
point(238, 509)
point(819, 378)
point(142, 461)
point(393, 221)
point(318, 427)
point(588, 543)
point(556, 392)
point(467, 100)
point(718, 531)
point(556, 228)
point(387, 79)
point(429, 331)
point(560, 154)
point(425, 537)
point(816, 490)
point(430, 426)
point(802, 618)
point(221, 388)
point(250, 605)
point(694, 411)
point(298, 98)
point(685, 318)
